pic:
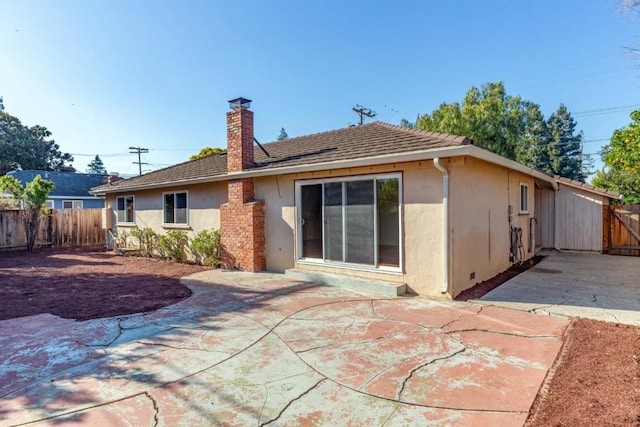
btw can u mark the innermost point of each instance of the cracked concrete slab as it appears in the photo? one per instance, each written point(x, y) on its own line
point(601, 287)
point(259, 349)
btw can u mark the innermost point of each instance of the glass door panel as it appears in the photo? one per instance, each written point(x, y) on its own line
point(311, 209)
point(333, 221)
point(360, 226)
point(388, 200)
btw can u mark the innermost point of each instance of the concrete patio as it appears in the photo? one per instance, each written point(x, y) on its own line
point(601, 287)
point(261, 349)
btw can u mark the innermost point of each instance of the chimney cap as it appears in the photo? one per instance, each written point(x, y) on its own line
point(239, 102)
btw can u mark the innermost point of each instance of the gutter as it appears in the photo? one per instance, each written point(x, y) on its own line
point(463, 150)
point(445, 224)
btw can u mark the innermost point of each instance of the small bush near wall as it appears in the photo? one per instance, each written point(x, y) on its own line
point(173, 245)
point(206, 247)
point(122, 238)
point(148, 240)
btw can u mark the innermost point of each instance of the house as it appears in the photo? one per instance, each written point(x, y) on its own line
point(377, 201)
point(572, 217)
point(72, 189)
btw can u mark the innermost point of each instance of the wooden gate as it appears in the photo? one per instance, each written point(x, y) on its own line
point(621, 231)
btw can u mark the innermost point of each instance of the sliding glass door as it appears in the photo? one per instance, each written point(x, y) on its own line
point(353, 220)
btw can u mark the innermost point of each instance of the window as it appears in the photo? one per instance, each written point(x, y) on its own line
point(353, 220)
point(125, 209)
point(524, 198)
point(72, 204)
point(175, 208)
point(49, 204)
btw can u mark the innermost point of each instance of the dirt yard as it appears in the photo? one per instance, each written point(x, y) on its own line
point(87, 284)
point(595, 380)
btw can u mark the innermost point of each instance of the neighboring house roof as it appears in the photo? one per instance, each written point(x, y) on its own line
point(374, 143)
point(587, 187)
point(68, 184)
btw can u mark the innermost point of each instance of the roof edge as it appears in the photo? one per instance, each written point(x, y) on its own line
point(588, 187)
point(463, 150)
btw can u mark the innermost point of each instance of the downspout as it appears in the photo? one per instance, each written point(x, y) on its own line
point(445, 223)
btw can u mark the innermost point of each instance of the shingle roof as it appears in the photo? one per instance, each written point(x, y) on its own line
point(355, 142)
point(587, 187)
point(68, 184)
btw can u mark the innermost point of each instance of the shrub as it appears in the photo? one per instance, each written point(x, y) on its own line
point(121, 238)
point(147, 239)
point(173, 244)
point(206, 247)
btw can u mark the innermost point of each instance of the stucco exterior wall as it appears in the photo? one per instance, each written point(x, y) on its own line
point(278, 194)
point(204, 202)
point(480, 195)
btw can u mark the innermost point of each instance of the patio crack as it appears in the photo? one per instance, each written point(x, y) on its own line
point(293, 400)
point(154, 402)
point(414, 370)
point(513, 334)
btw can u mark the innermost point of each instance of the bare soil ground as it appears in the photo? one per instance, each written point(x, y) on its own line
point(594, 382)
point(87, 283)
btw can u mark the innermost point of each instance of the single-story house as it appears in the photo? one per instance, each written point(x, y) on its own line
point(572, 217)
point(376, 201)
point(72, 190)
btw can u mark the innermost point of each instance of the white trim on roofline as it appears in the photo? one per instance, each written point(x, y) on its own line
point(463, 150)
point(75, 197)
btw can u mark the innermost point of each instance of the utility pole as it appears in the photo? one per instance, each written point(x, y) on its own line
point(364, 112)
point(139, 151)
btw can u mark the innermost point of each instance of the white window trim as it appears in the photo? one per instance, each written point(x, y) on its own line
point(346, 265)
point(74, 204)
point(175, 224)
point(523, 211)
point(134, 209)
point(49, 204)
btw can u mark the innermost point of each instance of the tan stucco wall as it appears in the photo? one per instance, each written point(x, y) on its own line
point(204, 208)
point(480, 194)
point(278, 194)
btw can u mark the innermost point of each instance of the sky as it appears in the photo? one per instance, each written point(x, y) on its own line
point(104, 76)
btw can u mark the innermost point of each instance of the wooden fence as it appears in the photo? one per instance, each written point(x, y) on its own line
point(63, 227)
point(622, 230)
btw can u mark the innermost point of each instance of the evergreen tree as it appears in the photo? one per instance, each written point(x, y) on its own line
point(283, 135)
point(563, 154)
point(96, 166)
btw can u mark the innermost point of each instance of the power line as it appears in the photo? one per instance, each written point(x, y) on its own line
point(139, 151)
point(364, 112)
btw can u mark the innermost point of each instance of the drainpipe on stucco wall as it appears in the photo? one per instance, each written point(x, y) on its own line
point(445, 223)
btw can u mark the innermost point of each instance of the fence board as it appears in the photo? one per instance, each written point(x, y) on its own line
point(63, 227)
point(625, 230)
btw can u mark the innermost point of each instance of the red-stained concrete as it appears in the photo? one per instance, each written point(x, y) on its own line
point(248, 349)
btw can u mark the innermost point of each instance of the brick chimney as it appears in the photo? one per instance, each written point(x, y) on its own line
point(239, 135)
point(242, 217)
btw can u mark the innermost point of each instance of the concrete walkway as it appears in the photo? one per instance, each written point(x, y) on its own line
point(595, 286)
point(259, 349)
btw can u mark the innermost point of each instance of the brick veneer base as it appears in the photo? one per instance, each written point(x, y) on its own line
point(242, 236)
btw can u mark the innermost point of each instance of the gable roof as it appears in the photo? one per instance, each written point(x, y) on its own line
point(587, 187)
point(373, 140)
point(366, 145)
point(68, 184)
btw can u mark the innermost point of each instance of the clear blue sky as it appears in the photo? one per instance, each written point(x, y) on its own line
point(106, 75)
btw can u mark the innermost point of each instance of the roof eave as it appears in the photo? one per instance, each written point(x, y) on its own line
point(463, 150)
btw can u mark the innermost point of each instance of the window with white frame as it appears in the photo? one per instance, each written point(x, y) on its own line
point(175, 207)
point(49, 204)
point(352, 220)
point(72, 204)
point(125, 209)
point(524, 198)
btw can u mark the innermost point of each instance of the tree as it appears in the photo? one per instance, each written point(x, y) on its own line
point(96, 166)
point(622, 162)
point(494, 120)
point(206, 152)
point(561, 150)
point(31, 199)
point(283, 135)
point(407, 124)
point(23, 147)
